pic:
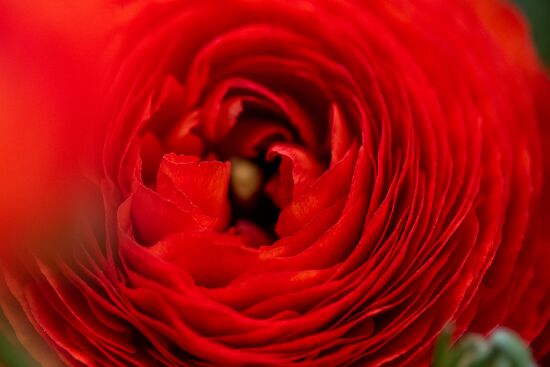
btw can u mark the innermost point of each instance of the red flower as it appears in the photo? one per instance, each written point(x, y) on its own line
point(303, 183)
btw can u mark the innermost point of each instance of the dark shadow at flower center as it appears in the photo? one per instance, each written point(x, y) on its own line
point(250, 204)
point(248, 198)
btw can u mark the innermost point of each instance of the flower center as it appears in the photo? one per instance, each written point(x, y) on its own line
point(250, 204)
point(236, 160)
point(246, 179)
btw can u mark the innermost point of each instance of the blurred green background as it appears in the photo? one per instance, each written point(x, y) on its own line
point(538, 13)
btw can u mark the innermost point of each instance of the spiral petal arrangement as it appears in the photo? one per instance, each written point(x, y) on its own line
point(317, 183)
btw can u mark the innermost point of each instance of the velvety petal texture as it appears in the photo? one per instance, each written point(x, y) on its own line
point(305, 183)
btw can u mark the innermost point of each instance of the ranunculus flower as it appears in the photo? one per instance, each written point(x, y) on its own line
point(320, 183)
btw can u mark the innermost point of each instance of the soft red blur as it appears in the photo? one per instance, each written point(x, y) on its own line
point(48, 76)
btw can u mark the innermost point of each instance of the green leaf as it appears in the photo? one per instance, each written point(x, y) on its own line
point(502, 349)
point(509, 344)
point(443, 355)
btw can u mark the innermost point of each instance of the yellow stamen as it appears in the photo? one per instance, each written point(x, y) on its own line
point(246, 178)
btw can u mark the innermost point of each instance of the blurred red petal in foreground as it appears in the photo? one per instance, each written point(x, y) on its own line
point(48, 78)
